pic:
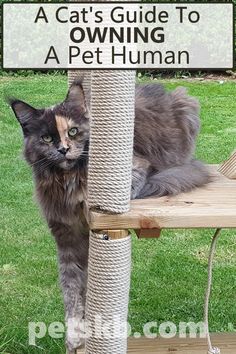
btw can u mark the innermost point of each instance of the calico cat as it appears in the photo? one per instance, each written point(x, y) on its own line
point(56, 145)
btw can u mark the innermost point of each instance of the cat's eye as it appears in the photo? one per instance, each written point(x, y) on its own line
point(47, 138)
point(73, 132)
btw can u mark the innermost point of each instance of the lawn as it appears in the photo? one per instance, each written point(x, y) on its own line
point(169, 275)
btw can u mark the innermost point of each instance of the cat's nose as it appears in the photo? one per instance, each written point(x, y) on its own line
point(63, 150)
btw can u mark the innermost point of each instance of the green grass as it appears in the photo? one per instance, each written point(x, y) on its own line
point(169, 274)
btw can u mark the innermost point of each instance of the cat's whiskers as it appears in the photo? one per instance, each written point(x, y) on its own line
point(83, 153)
point(38, 161)
point(45, 162)
point(43, 165)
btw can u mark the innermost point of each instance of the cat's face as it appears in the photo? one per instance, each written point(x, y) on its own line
point(55, 137)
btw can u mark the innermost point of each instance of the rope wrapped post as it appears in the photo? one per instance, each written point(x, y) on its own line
point(108, 292)
point(109, 186)
point(111, 140)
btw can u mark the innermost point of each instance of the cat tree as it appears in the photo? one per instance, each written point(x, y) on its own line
point(110, 97)
point(108, 210)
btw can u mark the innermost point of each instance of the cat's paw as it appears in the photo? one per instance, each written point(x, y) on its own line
point(74, 339)
point(135, 189)
point(134, 193)
point(75, 351)
point(138, 182)
point(74, 346)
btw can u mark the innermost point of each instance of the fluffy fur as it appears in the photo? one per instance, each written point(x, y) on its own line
point(56, 143)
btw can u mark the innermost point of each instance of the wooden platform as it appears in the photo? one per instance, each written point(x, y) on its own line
point(225, 342)
point(212, 206)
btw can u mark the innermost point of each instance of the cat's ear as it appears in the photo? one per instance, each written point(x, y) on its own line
point(23, 112)
point(76, 97)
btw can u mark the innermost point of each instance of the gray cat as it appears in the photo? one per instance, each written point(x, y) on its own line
point(56, 144)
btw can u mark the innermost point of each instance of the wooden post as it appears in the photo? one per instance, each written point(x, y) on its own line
point(114, 234)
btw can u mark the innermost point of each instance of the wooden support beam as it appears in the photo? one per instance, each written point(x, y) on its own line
point(148, 233)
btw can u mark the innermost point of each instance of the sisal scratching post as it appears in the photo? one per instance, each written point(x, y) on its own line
point(108, 293)
point(111, 140)
point(109, 186)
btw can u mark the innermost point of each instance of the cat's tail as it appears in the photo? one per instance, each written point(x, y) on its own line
point(177, 179)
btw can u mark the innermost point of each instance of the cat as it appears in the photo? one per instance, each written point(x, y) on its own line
point(56, 146)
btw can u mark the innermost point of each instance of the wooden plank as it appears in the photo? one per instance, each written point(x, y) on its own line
point(211, 206)
point(224, 341)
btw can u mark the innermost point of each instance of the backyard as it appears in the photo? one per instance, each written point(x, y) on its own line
point(169, 274)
